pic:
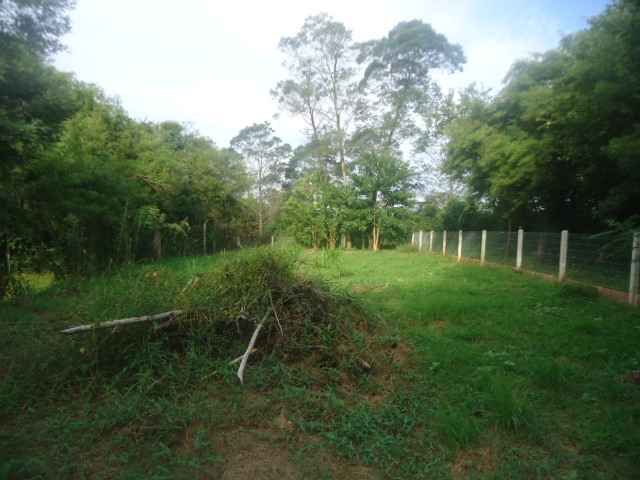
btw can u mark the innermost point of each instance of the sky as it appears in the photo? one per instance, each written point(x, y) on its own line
point(212, 63)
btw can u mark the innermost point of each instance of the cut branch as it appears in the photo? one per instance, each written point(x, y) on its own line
point(122, 321)
point(245, 357)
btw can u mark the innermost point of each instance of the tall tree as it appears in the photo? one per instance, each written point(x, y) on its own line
point(320, 62)
point(34, 102)
point(266, 155)
point(397, 85)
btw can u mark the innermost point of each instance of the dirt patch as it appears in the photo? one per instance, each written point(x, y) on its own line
point(474, 461)
point(401, 354)
point(325, 465)
point(255, 453)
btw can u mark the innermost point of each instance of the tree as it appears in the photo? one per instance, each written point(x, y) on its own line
point(397, 85)
point(384, 184)
point(36, 24)
point(35, 100)
point(556, 148)
point(267, 156)
point(320, 63)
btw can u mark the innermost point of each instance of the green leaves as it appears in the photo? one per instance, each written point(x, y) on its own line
point(553, 148)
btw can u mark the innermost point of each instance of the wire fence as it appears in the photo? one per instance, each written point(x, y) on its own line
point(601, 260)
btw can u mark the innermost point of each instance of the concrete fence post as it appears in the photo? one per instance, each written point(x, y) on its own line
point(634, 278)
point(564, 248)
point(413, 238)
point(431, 241)
point(459, 245)
point(519, 253)
point(483, 247)
point(444, 242)
point(420, 241)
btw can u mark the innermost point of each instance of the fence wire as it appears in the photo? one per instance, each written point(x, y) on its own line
point(601, 260)
point(471, 244)
point(437, 242)
point(501, 247)
point(541, 252)
point(452, 243)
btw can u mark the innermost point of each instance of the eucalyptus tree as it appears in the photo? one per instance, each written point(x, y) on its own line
point(320, 62)
point(397, 86)
point(266, 156)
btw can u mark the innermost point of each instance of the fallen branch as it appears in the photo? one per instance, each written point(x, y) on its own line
point(276, 314)
point(122, 321)
point(245, 357)
point(236, 360)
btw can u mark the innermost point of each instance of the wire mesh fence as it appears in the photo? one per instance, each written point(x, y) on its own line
point(452, 243)
point(600, 260)
point(501, 247)
point(472, 244)
point(541, 252)
point(437, 242)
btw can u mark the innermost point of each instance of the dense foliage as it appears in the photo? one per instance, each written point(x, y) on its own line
point(558, 147)
point(84, 186)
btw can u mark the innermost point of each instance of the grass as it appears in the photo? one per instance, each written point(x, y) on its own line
point(492, 374)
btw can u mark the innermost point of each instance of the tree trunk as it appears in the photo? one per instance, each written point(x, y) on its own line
point(4, 266)
point(157, 244)
point(375, 234)
point(508, 244)
point(204, 237)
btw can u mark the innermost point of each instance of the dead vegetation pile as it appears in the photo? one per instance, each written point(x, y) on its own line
point(257, 303)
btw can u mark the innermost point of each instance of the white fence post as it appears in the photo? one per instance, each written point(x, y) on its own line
point(444, 242)
point(519, 254)
point(431, 241)
point(483, 247)
point(634, 277)
point(564, 248)
point(413, 238)
point(420, 241)
point(459, 245)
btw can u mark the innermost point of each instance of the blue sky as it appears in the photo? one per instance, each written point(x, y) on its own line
point(212, 63)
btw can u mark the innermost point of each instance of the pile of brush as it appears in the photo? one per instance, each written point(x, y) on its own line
point(258, 298)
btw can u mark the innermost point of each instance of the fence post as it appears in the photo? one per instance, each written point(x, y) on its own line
point(459, 245)
point(519, 254)
point(413, 238)
point(273, 240)
point(444, 242)
point(420, 241)
point(431, 241)
point(483, 247)
point(634, 277)
point(564, 247)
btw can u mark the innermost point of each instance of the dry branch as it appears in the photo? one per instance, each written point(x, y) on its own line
point(122, 321)
point(245, 357)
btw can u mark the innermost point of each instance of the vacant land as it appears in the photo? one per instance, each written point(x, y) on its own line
point(491, 374)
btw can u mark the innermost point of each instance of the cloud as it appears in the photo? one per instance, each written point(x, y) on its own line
point(213, 63)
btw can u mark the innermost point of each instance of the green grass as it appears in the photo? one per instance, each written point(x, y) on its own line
point(505, 376)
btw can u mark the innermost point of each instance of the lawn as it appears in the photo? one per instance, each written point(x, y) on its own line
point(493, 374)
